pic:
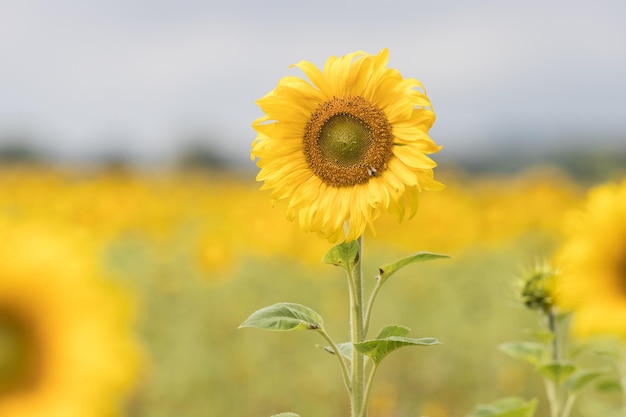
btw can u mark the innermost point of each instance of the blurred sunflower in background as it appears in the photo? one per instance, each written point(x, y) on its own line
point(537, 286)
point(593, 263)
point(347, 146)
point(65, 344)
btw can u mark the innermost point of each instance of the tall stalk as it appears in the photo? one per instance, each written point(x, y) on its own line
point(357, 335)
point(552, 387)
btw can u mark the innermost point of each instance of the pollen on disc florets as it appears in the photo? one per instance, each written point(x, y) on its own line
point(347, 140)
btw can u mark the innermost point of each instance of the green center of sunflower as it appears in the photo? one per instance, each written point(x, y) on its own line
point(344, 139)
point(347, 141)
point(18, 370)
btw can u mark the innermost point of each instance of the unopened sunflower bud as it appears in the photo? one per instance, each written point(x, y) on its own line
point(537, 289)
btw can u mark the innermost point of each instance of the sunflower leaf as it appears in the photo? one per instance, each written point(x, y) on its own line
point(506, 407)
point(345, 255)
point(393, 330)
point(388, 270)
point(543, 336)
point(284, 317)
point(345, 349)
point(581, 378)
point(557, 371)
point(610, 385)
point(531, 352)
point(377, 349)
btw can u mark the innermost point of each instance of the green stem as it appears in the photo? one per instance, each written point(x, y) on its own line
point(567, 408)
point(368, 387)
point(370, 306)
point(552, 390)
point(621, 357)
point(552, 398)
point(556, 342)
point(357, 396)
point(340, 358)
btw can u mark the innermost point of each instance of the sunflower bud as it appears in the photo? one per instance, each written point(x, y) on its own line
point(537, 286)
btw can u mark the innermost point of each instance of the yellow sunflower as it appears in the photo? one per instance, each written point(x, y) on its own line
point(65, 343)
point(347, 146)
point(593, 261)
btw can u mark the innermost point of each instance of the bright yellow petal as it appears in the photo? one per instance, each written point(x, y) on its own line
point(316, 77)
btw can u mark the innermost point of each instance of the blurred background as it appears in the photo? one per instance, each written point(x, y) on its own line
point(128, 123)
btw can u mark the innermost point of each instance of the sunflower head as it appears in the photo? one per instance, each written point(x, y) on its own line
point(19, 351)
point(593, 260)
point(66, 344)
point(537, 286)
point(347, 145)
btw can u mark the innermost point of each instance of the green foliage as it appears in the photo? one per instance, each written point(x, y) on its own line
point(393, 330)
point(345, 349)
point(557, 372)
point(200, 361)
point(609, 385)
point(284, 317)
point(388, 270)
point(377, 349)
point(345, 255)
point(531, 352)
point(506, 407)
point(581, 378)
point(541, 335)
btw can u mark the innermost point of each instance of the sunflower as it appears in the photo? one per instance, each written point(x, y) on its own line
point(593, 260)
point(65, 343)
point(537, 286)
point(347, 146)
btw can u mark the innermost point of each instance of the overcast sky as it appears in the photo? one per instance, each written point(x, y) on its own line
point(81, 77)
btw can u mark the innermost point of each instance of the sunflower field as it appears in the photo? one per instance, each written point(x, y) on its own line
point(122, 290)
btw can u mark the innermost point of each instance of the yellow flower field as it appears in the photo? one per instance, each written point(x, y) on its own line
point(222, 217)
point(198, 251)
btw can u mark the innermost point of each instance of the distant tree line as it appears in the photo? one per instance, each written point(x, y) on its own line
point(587, 165)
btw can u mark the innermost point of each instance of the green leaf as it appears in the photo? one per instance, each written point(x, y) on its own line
point(377, 349)
point(345, 255)
point(557, 371)
point(531, 352)
point(541, 335)
point(345, 349)
point(506, 407)
point(388, 270)
point(288, 414)
point(580, 379)
point(393, 330)
point(610, 385)
point(284, 317)
point(606, 353)
point(579, 349)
